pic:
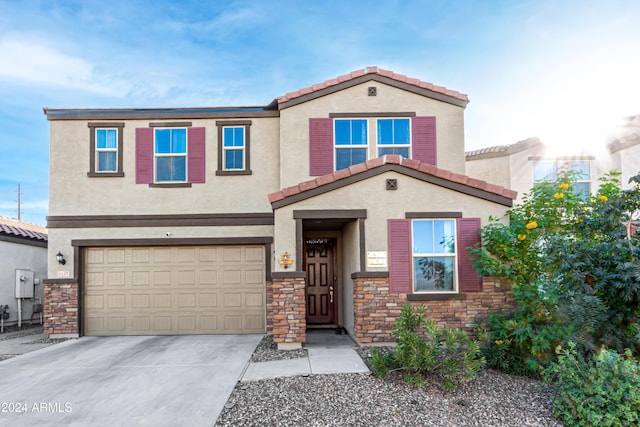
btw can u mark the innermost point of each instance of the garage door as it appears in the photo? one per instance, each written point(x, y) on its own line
point(174, 290)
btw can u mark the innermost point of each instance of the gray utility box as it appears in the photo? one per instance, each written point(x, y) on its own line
point(24, 283)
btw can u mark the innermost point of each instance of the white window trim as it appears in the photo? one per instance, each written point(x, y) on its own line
point(564, 165)
point(185, 155)
point(454, 255)
point(365, 147)
point(409, 146)
point(105, 150)
point(225, 149)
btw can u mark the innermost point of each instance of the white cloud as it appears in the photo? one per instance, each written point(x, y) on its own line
point(31, 62)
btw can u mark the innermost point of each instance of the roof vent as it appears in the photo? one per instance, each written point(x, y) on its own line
point(373, 91)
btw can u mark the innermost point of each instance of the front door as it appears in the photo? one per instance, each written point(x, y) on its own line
point(321, 281)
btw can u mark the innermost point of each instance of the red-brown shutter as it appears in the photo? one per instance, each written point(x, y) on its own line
point(423, 133)
point(469, 280)
point(399, 231)
point(144, 155)
point(320, 146)
point(196, 155)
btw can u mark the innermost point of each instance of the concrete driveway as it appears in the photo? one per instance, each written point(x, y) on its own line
point(124, 381)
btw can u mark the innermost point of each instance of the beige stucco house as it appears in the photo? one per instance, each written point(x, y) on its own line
point(521, 165)
point(23, 251)
point(329, 207)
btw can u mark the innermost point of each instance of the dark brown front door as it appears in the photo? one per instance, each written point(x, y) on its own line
point(321, 282)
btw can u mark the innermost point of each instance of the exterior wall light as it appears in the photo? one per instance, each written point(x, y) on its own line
point(60, 258)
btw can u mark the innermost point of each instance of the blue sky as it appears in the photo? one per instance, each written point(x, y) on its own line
point(564, 70)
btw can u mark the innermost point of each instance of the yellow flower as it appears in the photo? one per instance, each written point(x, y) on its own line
point(521, 237)
point(499, 342)
point(579, 220)
point(603, 198)
point(531, 225)
point(558, 195)
point(564, 186)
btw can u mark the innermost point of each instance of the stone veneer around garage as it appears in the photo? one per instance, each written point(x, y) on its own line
point(60, 307)
point(376, 309)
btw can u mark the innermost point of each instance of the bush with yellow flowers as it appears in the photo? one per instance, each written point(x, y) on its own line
point(573, 264)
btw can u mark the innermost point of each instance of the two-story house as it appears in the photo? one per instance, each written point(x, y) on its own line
point(522, 165)
point(329, 207)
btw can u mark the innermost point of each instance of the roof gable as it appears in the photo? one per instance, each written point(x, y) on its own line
point(377, 166)
point(376, 74)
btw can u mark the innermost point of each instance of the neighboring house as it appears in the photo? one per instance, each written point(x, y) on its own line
point(23, 250)
point(330, 207)
point(521, 165)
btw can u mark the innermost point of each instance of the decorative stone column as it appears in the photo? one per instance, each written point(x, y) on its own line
point(61, 308)
point(289, 309)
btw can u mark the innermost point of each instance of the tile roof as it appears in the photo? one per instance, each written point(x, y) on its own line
point(502, 150)
point(373, 70)
point(17, 228)
point(629, 136)
point(410, 164)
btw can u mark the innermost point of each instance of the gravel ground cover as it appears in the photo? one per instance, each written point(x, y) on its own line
point(492, 399)
point(267, 351)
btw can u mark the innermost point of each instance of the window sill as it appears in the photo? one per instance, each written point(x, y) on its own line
point(177, 185)
point(436, 297)
point(105, 174)
point(238, 172)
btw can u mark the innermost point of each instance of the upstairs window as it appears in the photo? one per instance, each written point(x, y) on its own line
point(351, 142)
point(105, 149)
point(547, 170)
point(338, 141)
point(233, 148)
point(170, 151)
point(434, 255)
point(394, 137)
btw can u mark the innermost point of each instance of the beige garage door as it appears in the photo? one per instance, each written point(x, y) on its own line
point(174, 290)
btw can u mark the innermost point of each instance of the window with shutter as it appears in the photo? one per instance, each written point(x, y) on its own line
point(170, 155)
point(431, 255)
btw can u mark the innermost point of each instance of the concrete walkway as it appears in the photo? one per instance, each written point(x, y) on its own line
point(328, 353)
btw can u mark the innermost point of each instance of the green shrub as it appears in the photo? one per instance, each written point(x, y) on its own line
point(423, 348)
point(601, 391)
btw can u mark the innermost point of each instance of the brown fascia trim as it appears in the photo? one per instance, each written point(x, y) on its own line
point(289, 274)
point(378, 78)
point(170, 124)
point(436, 297)
point(68, 280)
point(193, 220)
point(123, 115)
point(418, 215)
point(370, 275)
point(441, 182)
point(365, 115)
point(195, 241)
point(330, 214)
point(23, 241)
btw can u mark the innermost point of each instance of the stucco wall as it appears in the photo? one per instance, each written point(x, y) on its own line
point(73, 193)
point(496, 170)
point(628, 162)
point(294, 125)
point(412, 195)
point(25, 257)
point(351, 257)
